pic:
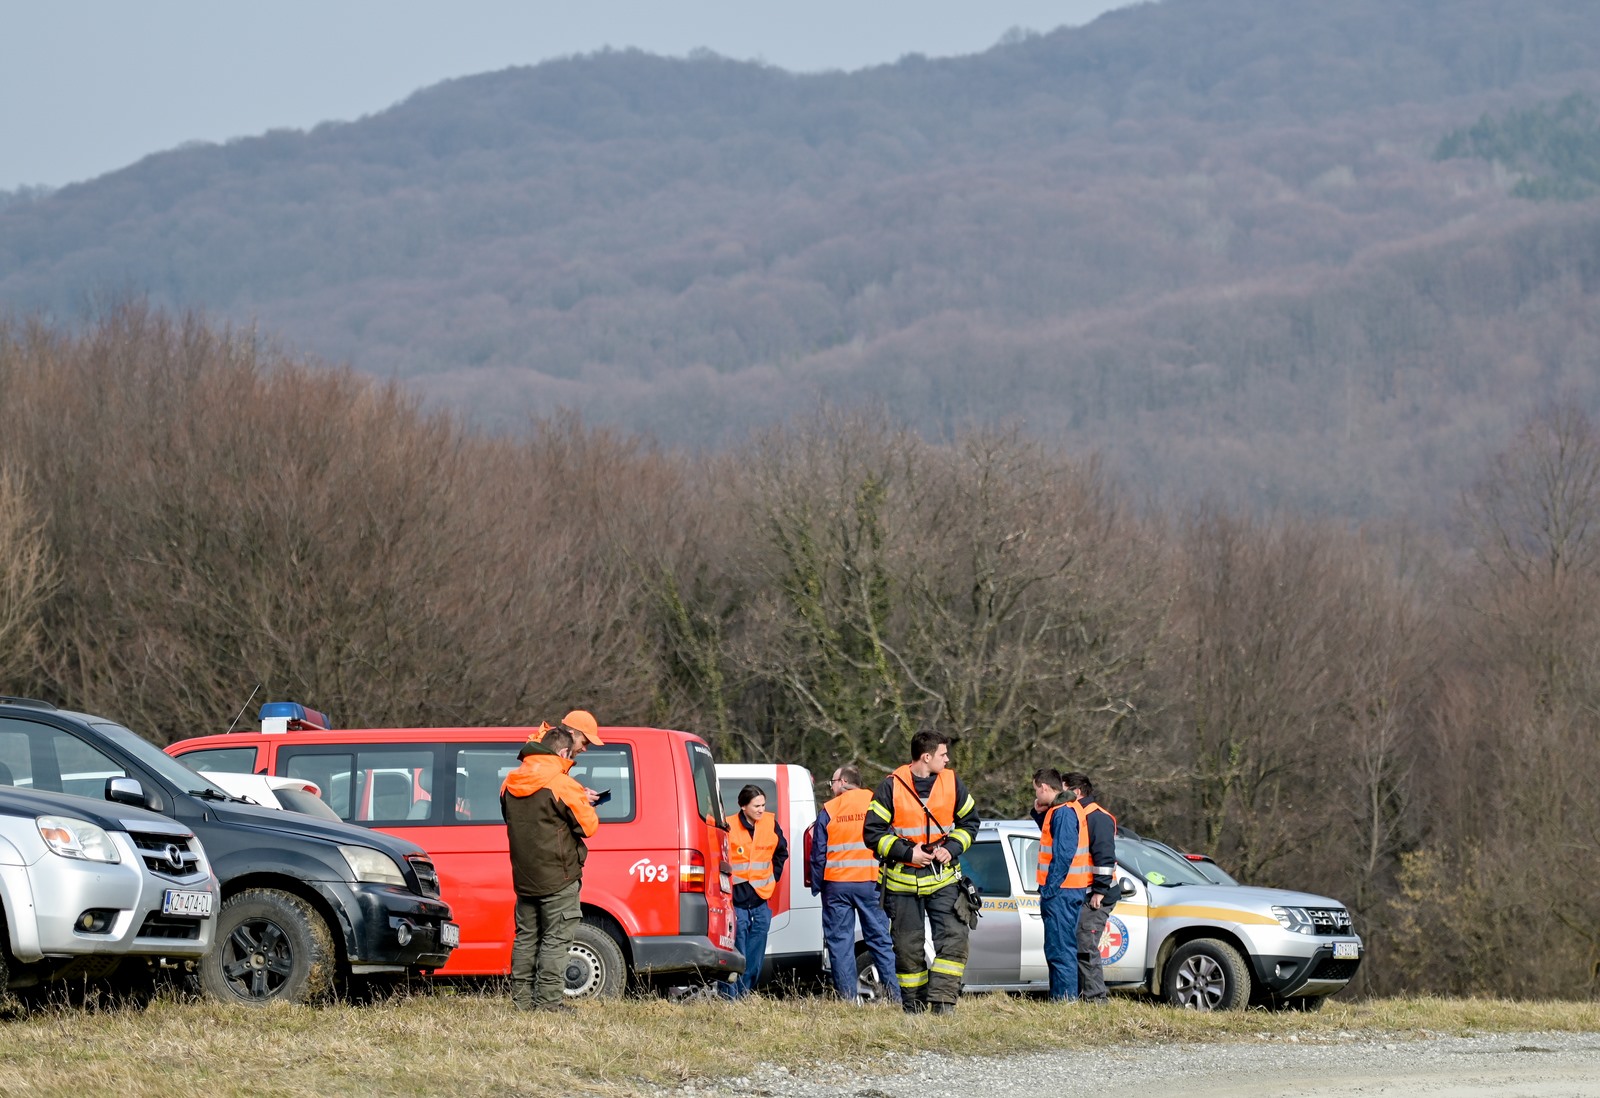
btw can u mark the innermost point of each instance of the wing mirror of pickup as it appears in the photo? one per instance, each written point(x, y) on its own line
point(126, 791)
point(1129, 888)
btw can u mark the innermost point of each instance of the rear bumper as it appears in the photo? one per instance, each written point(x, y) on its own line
point(665, 954)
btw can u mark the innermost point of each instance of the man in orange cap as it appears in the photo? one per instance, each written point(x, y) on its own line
point(585, 730)
point(548, 819)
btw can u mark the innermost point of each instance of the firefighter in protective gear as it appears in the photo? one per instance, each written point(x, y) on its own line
point(1102, 894)
point(845, 872)
point(1063, 878)
point(920, 821)
point(757, 853)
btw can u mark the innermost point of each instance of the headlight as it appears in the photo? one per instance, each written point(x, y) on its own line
point(72, 838)
point(372, 866)
point(1295, 919)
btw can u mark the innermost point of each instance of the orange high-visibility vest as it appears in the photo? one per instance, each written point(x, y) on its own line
point(750, 856)
point(848, 856)
point(910, 820)
point(1078, 870)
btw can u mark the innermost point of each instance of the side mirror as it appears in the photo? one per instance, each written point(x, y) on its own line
point(126, 791)
point(1129, 888)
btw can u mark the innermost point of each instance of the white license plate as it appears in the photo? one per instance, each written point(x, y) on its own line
point(449, 935)
point(179, 902)
point(1346, 951)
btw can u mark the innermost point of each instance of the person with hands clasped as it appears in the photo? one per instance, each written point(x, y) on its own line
point(920, 821)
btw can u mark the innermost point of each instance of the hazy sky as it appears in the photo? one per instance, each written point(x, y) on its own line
point(88, 86)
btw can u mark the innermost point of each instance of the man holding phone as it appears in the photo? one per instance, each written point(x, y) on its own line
point(584, 730)
point(548, 818)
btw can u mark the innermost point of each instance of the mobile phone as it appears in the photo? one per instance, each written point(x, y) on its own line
point(605, 795)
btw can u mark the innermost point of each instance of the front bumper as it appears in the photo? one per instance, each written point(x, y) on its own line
point(126, 896)
point(388, 929)
point(664, 954)
point(1315, 973)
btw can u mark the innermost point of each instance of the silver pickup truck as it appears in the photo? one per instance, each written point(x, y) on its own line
point(87, 885)
point(1174, 934)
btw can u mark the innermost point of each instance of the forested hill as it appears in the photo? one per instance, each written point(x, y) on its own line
point(1209, 237)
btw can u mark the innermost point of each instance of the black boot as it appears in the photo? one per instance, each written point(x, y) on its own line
point(913, 1004)
point(942, 1008)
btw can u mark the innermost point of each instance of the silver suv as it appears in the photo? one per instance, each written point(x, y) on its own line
point(86, 885)
point(1174, 934)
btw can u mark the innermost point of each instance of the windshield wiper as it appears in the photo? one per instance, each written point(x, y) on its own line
point(213, 795)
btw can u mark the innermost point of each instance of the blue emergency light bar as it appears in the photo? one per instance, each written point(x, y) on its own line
point(292, 717)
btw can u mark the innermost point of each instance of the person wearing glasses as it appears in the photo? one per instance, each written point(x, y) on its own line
point(845, 873)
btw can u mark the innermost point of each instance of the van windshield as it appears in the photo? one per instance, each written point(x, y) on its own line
point(704, 769)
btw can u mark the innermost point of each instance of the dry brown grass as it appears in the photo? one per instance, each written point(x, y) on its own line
point(466, 1044)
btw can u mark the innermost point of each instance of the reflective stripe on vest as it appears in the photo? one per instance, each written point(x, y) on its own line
point(911, 823)
point(1088, 810)
point(848, 856)
point(1078, 870)
point(750, 856)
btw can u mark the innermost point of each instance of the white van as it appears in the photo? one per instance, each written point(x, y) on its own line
point(794, 946)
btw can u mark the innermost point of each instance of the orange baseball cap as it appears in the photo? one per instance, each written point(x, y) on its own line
point(581, 720)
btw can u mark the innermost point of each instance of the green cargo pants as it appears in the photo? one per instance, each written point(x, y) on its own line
point(545, 927)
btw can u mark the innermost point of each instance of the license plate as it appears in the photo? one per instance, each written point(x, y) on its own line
point(449, 935)
point(179, 902)
point(1346, 951)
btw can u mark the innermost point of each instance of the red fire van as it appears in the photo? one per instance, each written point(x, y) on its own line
point(655, 898)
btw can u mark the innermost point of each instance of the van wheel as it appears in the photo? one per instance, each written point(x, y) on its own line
point(595, 968)
point(271, 946)
point(1206, 974)
point(869, 981)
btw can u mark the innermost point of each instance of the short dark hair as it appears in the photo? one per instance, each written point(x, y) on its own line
point(1076, 780)
point(1048, 775)
point(850, 774)
point(557, 739)
point(926, 742)
point(750, 793)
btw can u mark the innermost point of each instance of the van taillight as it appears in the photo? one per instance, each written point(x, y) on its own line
point(691, 871)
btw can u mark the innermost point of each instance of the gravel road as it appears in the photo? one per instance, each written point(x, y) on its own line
point(1527, 1065)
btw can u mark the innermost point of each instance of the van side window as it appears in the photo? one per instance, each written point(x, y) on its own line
point(40, 756)
point(704, 769)
point(480, 771)
point(393, 785)
point(609, 768)
point(228, 760)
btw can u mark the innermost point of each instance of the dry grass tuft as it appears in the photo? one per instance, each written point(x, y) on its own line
point(466, 1044)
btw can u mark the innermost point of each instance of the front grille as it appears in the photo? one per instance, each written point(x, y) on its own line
point(1330, 969)
point(168, 855)
point(427, 876)
point(1330, 920)
point(157, 925)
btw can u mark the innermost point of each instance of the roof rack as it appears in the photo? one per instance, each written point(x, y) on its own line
point(6, 699)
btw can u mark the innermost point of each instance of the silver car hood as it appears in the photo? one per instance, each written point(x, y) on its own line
point(1242, 897)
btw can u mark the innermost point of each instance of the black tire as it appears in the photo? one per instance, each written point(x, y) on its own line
point(870, 986)
point(1206, 974)
point(271, 946)
point(595, 966)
